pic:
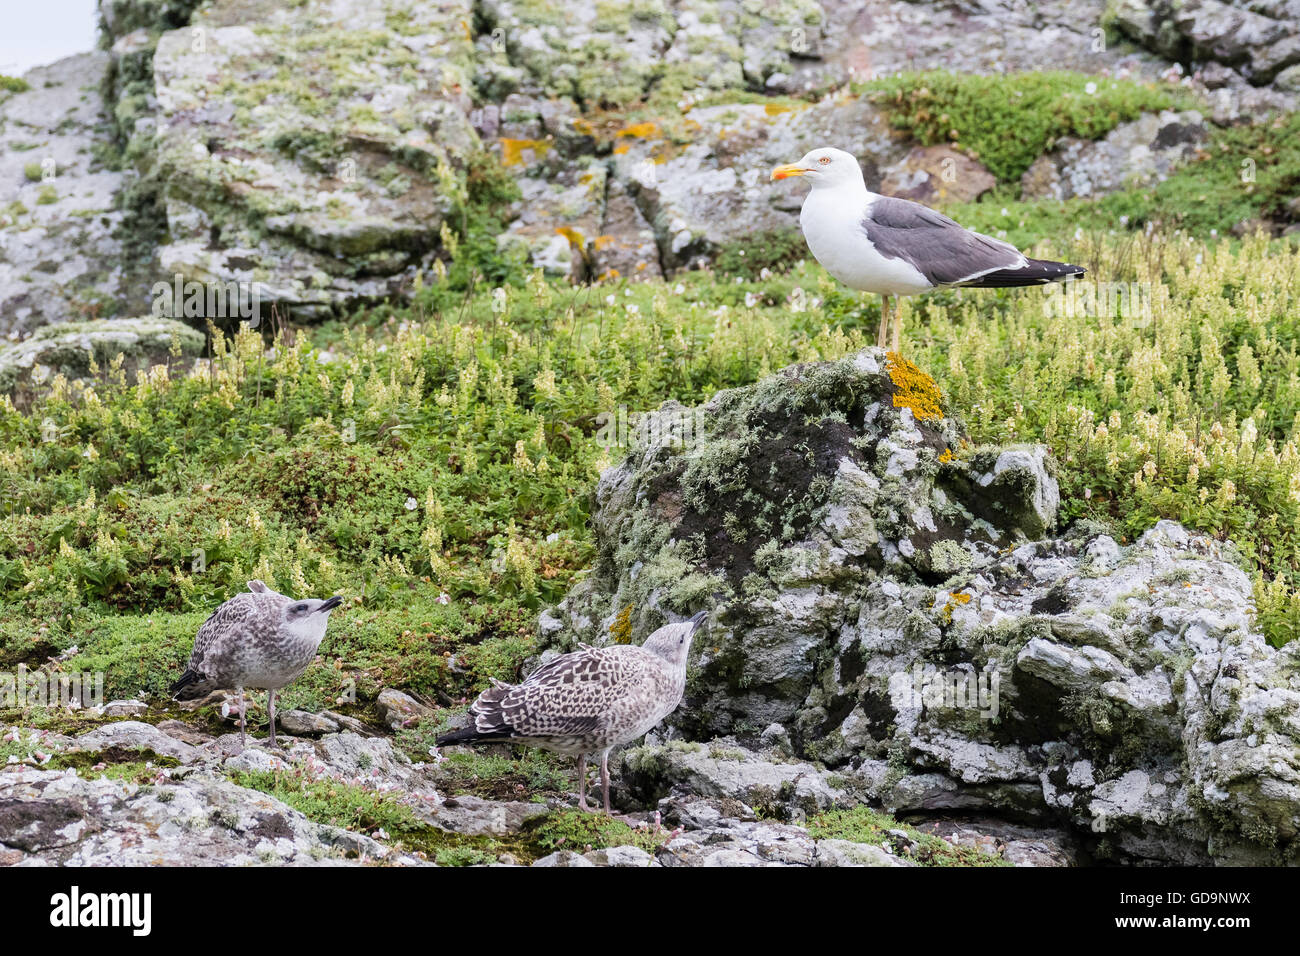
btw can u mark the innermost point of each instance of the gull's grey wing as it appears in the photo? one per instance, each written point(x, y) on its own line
point(940, 249)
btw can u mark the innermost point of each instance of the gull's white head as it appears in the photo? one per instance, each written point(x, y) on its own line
point(673, 641)
point(823, 168)
point(306, 620)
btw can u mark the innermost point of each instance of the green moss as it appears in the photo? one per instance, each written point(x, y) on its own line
point(863, 825)
point(13, 84)
point(1006, 121)
point(579, 831)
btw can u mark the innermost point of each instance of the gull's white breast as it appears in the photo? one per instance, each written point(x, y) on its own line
point(832, 227)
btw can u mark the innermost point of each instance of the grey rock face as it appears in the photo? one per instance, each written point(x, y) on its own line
point(323, 190)
point(59, 818)
point(1259, 39)
point(794, 492)
point(60, 256)
point(1146, 150)
point(897, 624)
point(134, 735)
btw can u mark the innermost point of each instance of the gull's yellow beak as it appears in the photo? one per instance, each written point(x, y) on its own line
point(786, 171)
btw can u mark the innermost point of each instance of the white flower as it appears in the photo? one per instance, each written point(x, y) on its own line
point(444, 598)
point(679, 289)
point(1090, 89)
point(411, 504)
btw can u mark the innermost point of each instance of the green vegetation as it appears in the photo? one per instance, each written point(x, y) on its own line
point(339, 804)
point(863, 825)
point(1008, 121)
point(384, 814)
point(13, 84)
point(438, 471)
point(580, 831)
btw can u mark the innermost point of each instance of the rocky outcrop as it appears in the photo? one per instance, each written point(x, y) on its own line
point(1258, 39)
point(1142, 152)
point(132, 793)
point(886, 601)
point(325, 161)
point(72, 348)
point(61, 257)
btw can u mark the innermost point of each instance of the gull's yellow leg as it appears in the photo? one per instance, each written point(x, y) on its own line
point(882, 338)
point(898, 327)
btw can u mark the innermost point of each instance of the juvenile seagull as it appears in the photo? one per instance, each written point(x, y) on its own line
point(587, 702)
point(890, 246)
point(259, 639)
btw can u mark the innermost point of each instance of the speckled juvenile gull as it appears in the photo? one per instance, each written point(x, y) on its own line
point(260, 639)
point(587, 702)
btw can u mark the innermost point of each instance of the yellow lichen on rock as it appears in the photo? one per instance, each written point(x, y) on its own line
point(914, 389)
point(620, 631)
point(512, 150)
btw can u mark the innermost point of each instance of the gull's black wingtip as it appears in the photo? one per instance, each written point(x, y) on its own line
point(189, 677)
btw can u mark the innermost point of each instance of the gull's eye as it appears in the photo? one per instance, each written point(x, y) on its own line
point(824, 160)
point(301, 607)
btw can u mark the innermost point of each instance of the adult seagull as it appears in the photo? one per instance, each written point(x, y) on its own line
point(890, 246)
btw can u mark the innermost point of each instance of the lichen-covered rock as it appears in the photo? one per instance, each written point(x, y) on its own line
point(60, 252)
point(325, 161)
point(886, 601)
point(135, 735)
point(1259, 39)
point(70, 348)
point(723, 770)
point(1144, 151)
point(59, 818)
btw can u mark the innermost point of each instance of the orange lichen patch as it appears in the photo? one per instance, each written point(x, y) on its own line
point(573, 235)
point(512, 150)
point(947, 456)
point(583, 126)
point(621, 630)
point(914, 389)
point(620, 150)
point(959, 598)
point(776, 109)
point(600, 242)
point(639, 130)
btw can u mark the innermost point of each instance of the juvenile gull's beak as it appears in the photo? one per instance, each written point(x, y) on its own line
point(786, 171)
point(331, 604)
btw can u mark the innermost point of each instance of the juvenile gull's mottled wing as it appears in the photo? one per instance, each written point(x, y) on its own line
point(234, 624)
point(573, 696)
